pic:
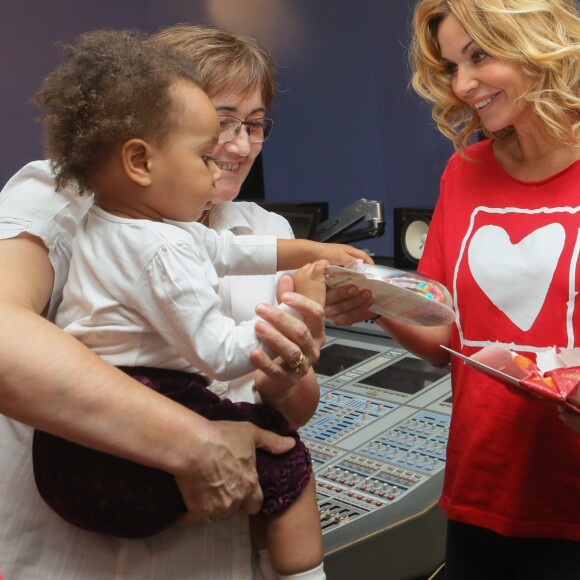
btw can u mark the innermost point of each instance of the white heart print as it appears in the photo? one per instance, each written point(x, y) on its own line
point(502, 269)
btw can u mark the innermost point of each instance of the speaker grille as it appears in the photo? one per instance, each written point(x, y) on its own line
point(410, 229)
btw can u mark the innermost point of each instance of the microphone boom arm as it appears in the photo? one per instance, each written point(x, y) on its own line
point(338, 227)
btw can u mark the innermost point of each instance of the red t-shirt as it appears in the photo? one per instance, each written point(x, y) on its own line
point(508, 252)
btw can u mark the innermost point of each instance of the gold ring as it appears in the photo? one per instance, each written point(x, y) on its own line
point(295, 366)
point(210, 519)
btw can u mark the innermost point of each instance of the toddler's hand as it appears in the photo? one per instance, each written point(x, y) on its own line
point(343, 254)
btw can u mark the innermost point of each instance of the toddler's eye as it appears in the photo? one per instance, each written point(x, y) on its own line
point(208, 158)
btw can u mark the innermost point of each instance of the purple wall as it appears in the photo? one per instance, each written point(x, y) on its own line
point(347, 125)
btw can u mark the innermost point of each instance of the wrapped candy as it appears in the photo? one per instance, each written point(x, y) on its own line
point(553, 379)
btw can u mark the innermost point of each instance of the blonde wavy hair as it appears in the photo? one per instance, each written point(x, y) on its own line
point(543, 36)
point(224, 62)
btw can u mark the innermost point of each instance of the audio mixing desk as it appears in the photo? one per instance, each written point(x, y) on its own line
point(378, 441)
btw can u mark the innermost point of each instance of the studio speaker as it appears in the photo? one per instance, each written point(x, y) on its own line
point(410, 229)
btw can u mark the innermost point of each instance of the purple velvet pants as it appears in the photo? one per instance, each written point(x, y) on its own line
point(105, 494)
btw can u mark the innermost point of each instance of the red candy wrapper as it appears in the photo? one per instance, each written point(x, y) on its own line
point(555, 385)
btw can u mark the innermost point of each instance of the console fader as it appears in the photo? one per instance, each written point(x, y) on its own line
point(378, 441)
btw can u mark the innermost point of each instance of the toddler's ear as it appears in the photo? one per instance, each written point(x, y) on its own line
point(136, 160)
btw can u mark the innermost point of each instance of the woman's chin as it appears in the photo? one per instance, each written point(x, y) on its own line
point(226, 195)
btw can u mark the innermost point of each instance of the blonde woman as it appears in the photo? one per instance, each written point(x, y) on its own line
point(504, 240)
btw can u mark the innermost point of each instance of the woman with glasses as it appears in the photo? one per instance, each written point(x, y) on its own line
point(242, 103)
point(238, 76)
point(51, 381)
point(142, 293)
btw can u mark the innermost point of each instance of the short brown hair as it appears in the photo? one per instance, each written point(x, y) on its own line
point(224, 62)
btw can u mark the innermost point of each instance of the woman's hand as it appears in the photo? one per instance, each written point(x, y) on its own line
point(222, 480)
point(346, 305)
point(287, 382)
point(292, 339)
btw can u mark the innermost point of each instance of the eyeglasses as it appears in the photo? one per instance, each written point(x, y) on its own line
point(258, 129)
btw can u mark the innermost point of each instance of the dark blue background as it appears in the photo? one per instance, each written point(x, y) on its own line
point(347, 124)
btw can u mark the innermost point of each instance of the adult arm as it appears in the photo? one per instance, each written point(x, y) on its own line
point(423, 341)
point(52, 382)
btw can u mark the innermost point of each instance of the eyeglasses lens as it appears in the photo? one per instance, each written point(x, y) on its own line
point(258, 130)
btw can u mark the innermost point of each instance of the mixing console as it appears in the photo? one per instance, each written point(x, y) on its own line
point(378, 442)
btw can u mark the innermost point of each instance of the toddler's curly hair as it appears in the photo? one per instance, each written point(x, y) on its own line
point(113, 86)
